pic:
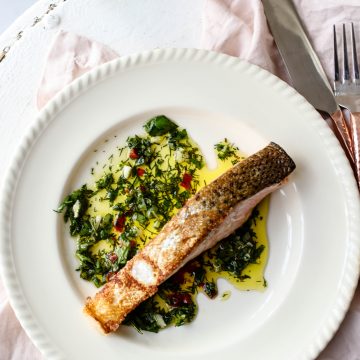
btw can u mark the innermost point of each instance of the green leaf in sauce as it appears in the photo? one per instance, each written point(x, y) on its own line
point(159, 125)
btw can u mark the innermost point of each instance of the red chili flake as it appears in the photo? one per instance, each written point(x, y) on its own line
point(186, 299)
point(179, 277)
point(186, 180)
point(120, 223)
point(140, 171)
point(191, 267)
point(179, 299)
point(112, 257)
point(134, 154)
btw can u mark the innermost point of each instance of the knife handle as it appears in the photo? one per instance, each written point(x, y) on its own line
point(355, 137)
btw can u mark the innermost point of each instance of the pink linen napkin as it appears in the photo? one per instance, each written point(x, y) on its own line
point(14, 343)
point(70, 56)
point(239, 28)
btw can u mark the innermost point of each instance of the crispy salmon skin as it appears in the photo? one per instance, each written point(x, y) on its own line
point(209, 216)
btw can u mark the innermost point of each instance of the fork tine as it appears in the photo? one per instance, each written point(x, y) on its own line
point(346, 75)
point(336, 59)
point(354, 53)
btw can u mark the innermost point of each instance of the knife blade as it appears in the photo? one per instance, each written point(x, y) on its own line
point(303, 65)
point(301, 61)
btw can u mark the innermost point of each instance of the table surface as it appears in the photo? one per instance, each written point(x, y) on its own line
point(10, 10)
point(127, 26)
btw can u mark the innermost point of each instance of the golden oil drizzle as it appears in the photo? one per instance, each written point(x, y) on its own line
point(254, 279)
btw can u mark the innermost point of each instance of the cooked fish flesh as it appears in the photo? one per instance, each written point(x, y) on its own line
point(209, 216)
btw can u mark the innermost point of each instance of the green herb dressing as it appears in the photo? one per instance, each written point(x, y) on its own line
point(139, 189)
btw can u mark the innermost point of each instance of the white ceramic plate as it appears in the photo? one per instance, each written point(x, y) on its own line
point(313, 222)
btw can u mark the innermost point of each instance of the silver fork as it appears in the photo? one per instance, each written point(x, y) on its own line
point(346, 88)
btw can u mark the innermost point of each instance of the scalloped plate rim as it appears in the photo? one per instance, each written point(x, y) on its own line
point(78, 86)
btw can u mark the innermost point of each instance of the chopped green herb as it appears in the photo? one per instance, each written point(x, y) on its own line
point(105, 181)
point(226, 150)
point(226, 295)
point(234, 255)
point(210, 289)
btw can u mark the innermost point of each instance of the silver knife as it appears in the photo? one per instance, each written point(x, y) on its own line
point(303, 65)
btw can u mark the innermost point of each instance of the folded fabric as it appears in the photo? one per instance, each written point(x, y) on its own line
point(70, 56)
point(239, 28)
point(14, 343)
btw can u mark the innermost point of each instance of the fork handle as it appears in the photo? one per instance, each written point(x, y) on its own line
point(355, 137)
point(343, 134)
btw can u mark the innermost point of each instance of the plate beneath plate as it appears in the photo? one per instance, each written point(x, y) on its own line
point(313, 229)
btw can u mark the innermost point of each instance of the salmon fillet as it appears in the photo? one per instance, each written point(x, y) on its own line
point(212, 214)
